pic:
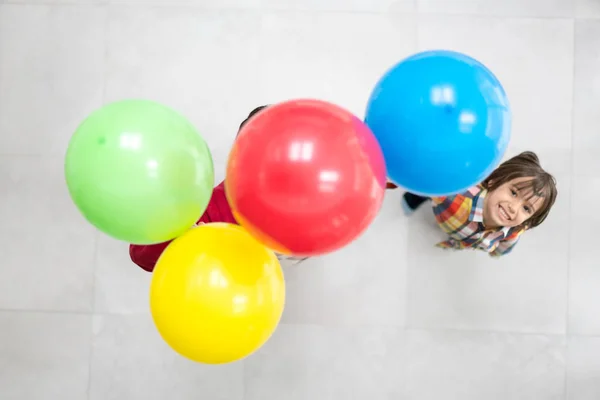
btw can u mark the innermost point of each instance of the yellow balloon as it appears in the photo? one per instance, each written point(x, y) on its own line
point(217, 294)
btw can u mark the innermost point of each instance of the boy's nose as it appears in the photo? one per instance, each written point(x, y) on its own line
point(511, 209)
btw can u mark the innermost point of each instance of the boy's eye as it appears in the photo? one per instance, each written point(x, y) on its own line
point(514, 193)
point(527, 209)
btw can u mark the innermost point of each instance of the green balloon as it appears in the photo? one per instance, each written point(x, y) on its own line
point(139, 171)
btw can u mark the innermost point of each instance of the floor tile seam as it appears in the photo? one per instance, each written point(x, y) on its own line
point(570, 228)
point(310, 324)
point(293, 10)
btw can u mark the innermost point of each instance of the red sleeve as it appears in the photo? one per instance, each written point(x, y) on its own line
point(147, 256)
point(218, 210)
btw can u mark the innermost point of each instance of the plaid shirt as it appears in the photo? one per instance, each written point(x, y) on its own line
point(461, 217)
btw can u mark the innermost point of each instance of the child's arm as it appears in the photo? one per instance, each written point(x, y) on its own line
point(218, 210)
point(506, 245)
point(146, 256)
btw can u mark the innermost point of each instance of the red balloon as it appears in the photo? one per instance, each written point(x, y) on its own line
point(305, 177)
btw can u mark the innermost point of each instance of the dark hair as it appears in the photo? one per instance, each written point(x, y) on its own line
point(252, 114)
point(541, 184)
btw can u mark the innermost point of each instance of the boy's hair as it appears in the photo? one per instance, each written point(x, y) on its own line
point(541, 184)
point(252, 114)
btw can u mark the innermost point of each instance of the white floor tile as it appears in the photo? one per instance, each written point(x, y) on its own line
point(587, 8)
point(120, 285)
point(586, 98)
point(524, 291)
point(302, 362)
point(478, 328)
point(280, 369)
point(380, 6)
point(365, 283)
point(44, 356)
point(507, 8)
point(305, 292)
point(47, 247)
point(491, 366)
point(205, 4)
point(51, 76)
point(203, 63)
point(583, 368)
point(584, 274)
point(130, 361)
point(362, 284)
point(55, 2)
point(555, 161)
point(339, 58)
point(539, 83)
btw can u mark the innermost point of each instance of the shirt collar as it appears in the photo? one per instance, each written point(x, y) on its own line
point(478, 194)
point(476, 215)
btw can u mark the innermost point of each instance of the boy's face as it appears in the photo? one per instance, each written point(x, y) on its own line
point(509, 206)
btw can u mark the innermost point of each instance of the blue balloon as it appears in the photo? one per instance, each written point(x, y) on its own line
point(443, 121)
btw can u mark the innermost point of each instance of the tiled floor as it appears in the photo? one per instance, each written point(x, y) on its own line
point(388, 318)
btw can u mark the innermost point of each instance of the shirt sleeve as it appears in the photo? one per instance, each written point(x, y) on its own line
point(218, 210)
point(442, 201)
point(506, 245)
point(450, 244)
point(146, 256)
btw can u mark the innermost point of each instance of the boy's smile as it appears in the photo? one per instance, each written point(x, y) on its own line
point(510, 205)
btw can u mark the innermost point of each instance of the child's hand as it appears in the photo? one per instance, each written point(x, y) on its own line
point(449, 244)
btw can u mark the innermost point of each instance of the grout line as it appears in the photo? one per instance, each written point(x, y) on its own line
point(407, 274)
point(50, 4)
point(416, 10)
point(326, 326)
point(442, 330)
point(106, 52)
point(90, 358)
point(243, 363)
point(334, 326)
point(570, 229)
point(497, 16)
point(486, 332)
point(42, 311)
point(572, 169)
point(94, 264)
point(106, 9)
point(38, 155)
point(409, 221)
point(436, 329)
point(93, 308)
point(74, 312)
